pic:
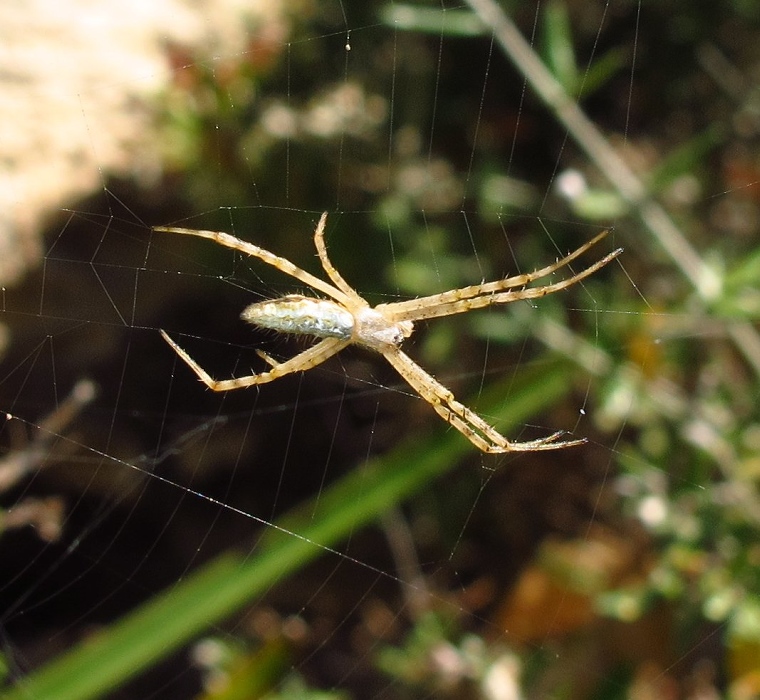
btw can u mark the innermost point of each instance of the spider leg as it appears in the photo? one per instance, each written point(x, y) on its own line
point(484, 436)
point(307, 359)
point(506, 283)
point(434, 307)
point(281, 264)
point(476, 290)
point(328, 267)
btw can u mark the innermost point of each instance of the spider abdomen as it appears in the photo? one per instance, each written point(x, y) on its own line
point(304, 315)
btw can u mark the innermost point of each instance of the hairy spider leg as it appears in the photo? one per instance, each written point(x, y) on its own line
point(307, 359)
point(498, 285)
point(486, 288)
point(434, 306)
point(484, 436)
point(255, 251)
point(329, 268)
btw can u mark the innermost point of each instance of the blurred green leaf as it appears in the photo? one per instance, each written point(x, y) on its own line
point(685, 159)
point(171, 619)
point(412, 18)
point(559, 54)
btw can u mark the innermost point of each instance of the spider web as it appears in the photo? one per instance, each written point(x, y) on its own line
point(328, 531)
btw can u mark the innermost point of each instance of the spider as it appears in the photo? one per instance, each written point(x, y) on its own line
point(346, 318)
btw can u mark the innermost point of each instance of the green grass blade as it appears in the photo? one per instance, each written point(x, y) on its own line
point(215, 591)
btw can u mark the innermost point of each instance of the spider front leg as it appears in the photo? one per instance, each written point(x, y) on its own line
point(307, 359)
point(484, 436)
point(478, 296)
point(327, 266)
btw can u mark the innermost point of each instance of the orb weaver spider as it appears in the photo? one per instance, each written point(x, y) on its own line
point(346, 318)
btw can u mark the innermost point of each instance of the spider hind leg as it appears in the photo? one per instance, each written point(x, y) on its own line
point(480, 433)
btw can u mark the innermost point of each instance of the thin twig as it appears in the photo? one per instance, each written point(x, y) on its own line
point(629, 186)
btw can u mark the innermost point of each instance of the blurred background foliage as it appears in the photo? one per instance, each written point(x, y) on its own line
point(628, 569)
